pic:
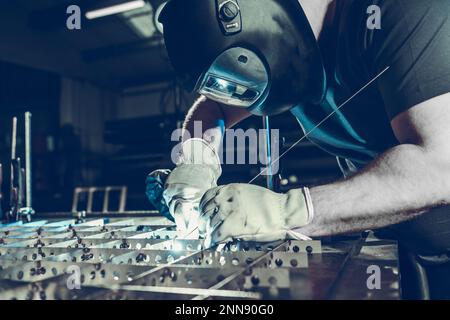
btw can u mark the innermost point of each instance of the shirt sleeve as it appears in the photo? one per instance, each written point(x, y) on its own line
point(414, 42)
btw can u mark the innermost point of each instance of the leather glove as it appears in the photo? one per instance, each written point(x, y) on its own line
point(197, 171)
point(154, 190)
point(252, 213)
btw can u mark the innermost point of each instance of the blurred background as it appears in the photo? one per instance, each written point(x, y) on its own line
point(105, 102)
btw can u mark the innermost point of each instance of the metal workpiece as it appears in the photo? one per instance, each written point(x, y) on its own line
point(27, 211)
point(15, 172)
point(17, 192)
point(20, 204)
point(139, 258)
point(13, 138)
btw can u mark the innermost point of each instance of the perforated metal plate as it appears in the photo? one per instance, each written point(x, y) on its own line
point(139, 258)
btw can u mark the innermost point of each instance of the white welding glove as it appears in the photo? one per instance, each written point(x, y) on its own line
point(252, 213)
point(197, 171)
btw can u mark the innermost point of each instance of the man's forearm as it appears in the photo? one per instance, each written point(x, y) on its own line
point(401, 184)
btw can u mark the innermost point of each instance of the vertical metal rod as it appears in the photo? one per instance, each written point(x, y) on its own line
point(28, 173)
point(21, 192)
point(90, 200)
point(16, 189)
point(12, 193)
point(13, 138)
point(76, 195)
point(123, 199)
point(106, 200)
point(269, 173)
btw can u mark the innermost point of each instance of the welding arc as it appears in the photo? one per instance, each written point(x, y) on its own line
point(320, 123)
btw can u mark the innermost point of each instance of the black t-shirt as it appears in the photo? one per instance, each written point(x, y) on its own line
point(414, 42)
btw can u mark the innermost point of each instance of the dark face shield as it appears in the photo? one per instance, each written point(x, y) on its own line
point(237, 78)
point(261, 55)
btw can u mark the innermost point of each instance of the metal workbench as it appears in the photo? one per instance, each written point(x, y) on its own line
point(141, 258)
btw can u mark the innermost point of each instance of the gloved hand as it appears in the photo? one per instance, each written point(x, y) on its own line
point(252, 213)
point(154, 190)
point(197, 171)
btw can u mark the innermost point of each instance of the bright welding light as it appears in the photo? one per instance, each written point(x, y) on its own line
point(115, 9)
point(222, 84)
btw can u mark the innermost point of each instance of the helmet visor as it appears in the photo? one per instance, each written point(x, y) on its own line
point(228, 92)
point(237, 78)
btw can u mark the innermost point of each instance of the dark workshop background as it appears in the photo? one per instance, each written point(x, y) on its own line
point(104, 102)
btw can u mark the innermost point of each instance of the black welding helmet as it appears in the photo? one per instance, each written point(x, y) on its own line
point(256, 54)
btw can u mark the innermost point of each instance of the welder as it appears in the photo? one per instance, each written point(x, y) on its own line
point(375, 96)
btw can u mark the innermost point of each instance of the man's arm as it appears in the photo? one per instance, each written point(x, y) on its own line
point(402, 183)
point(214, 118)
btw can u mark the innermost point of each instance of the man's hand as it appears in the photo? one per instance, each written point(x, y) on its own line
point(197, 171)
point(251, 213)
point(154, 190)
point(214, 119)
point(176, 195)
point(184, 188)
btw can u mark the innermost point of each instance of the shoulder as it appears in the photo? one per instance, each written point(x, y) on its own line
point(405, 26)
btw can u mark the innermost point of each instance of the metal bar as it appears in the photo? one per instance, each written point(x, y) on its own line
point(106, 192)
point(106, 200)
point(14, 138)
point(163, 266)
point(12, 193)
point(76, 194)
point(354, 250)
point(22, 187)
point(90, 199)
point(16, 201)
point(121, 214)
point(204, 293)
point(28, 173)
point(238, 273)
point(123, 198)
point(194, 291)
point(19, 181)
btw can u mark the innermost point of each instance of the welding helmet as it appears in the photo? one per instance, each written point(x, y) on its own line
point(260, 55)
